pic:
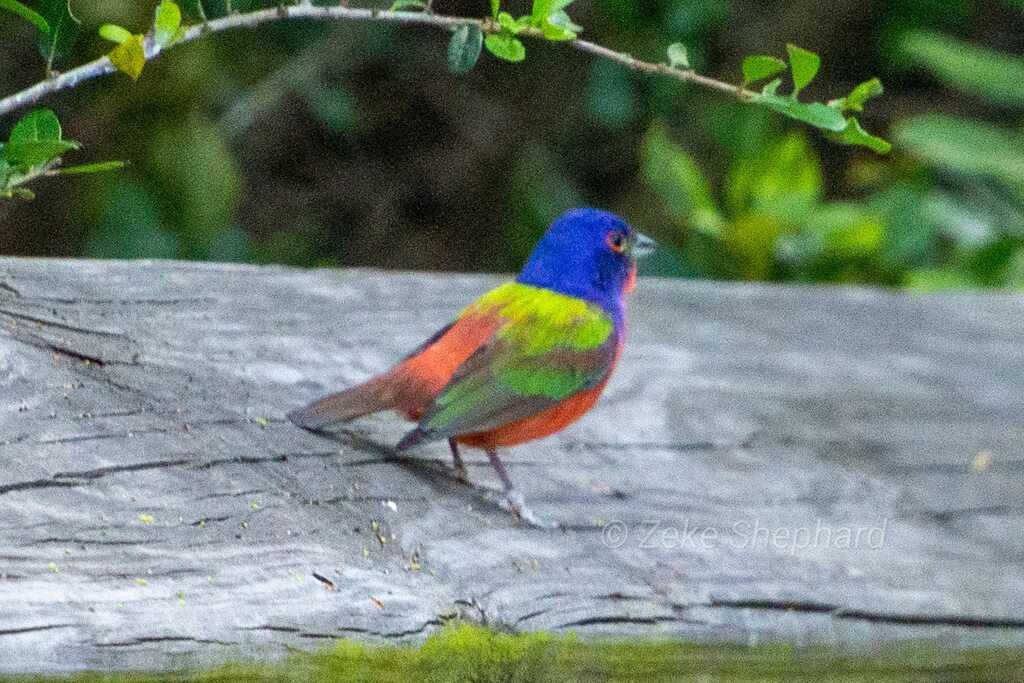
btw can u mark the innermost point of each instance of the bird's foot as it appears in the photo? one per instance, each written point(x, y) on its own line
point(460, 474)
point(517, 506)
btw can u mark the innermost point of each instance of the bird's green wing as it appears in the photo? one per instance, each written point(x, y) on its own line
point(548, 348)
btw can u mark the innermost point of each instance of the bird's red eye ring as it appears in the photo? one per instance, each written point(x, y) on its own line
point(616, 241)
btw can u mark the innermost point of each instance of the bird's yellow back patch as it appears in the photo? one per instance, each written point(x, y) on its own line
point(541, 320)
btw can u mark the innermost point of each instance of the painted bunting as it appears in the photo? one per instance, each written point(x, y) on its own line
point(519, 363)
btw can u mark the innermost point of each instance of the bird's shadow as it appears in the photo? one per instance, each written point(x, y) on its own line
point(430, 471)
point(433, 472)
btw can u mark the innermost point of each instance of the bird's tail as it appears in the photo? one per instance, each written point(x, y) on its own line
point(331, 411)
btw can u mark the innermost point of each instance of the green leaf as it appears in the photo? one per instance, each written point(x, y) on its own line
point(129, 57)
point(63, 30)
point(993, 76)
point(844, 230)
point(35, 141)
point(853, 134)
point(782, 181)
point(965, 146)
point(859, 96)
point(510, 24)
point(194, 8)
point(22, 193)
point(27, 14)
point(550, 17)
point(543, 9)
point(556, 32)
point(114, 33)
point(505, 46)
point(26, 155)
point(167, 24)
point(130, 225)
point(5, 169)
point(406, 5)
point(464, 48)
point(816, 114)
point(759, 67)
point(192, 163)
point(678, 57)
point(677, 179)
point(495, 8)
point(41, 124)
point(560, 18)
point(85, 169)
point(804, 65)
point(938, 280)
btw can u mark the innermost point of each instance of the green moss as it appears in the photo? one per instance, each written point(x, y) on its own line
point(468, 653)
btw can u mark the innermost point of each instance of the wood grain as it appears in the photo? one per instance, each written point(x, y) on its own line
point(157, 511)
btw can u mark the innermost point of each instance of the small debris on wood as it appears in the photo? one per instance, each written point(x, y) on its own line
point(982, 461)
point(328, 584)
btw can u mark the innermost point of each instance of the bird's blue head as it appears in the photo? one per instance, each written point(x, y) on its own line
point(589, 254)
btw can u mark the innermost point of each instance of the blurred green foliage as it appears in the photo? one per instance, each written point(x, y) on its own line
point(354, 145)
point(461, 652)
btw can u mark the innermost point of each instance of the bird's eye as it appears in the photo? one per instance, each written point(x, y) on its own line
point(617, 242)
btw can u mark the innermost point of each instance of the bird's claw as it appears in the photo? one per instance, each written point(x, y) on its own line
point(517, 505)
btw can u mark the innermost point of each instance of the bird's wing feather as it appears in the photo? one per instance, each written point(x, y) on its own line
point(429, 342)
point(548, 348)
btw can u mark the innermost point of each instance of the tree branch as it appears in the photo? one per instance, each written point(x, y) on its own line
point(102, 66)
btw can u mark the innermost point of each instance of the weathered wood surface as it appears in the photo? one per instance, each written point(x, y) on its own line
point(157, 511)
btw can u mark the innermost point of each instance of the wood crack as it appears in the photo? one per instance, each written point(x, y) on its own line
point(113, 469)
point(81, 477)
point(339, 631)
point(34, 629)
point(46, 322)
point(947, 516)
point(75, 540)
point(930, 619)
point(38, 342)
point(4, 286)
point(147, 640)
point(130, 433)
point(837, 612)
point(623, 619)
point(70, 301)
point(36, 484)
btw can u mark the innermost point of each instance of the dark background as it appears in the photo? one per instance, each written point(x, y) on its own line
point(351, 144)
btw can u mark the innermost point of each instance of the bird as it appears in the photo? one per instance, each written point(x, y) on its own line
point(522, 362)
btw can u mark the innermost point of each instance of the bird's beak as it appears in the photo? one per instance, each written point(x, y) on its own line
point(643, 245)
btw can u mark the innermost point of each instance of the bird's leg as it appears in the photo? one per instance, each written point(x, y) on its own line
point(514, 497)
point(460, 466)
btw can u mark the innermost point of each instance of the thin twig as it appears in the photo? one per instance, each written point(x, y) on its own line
point(689, 76)
point(102, 66)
